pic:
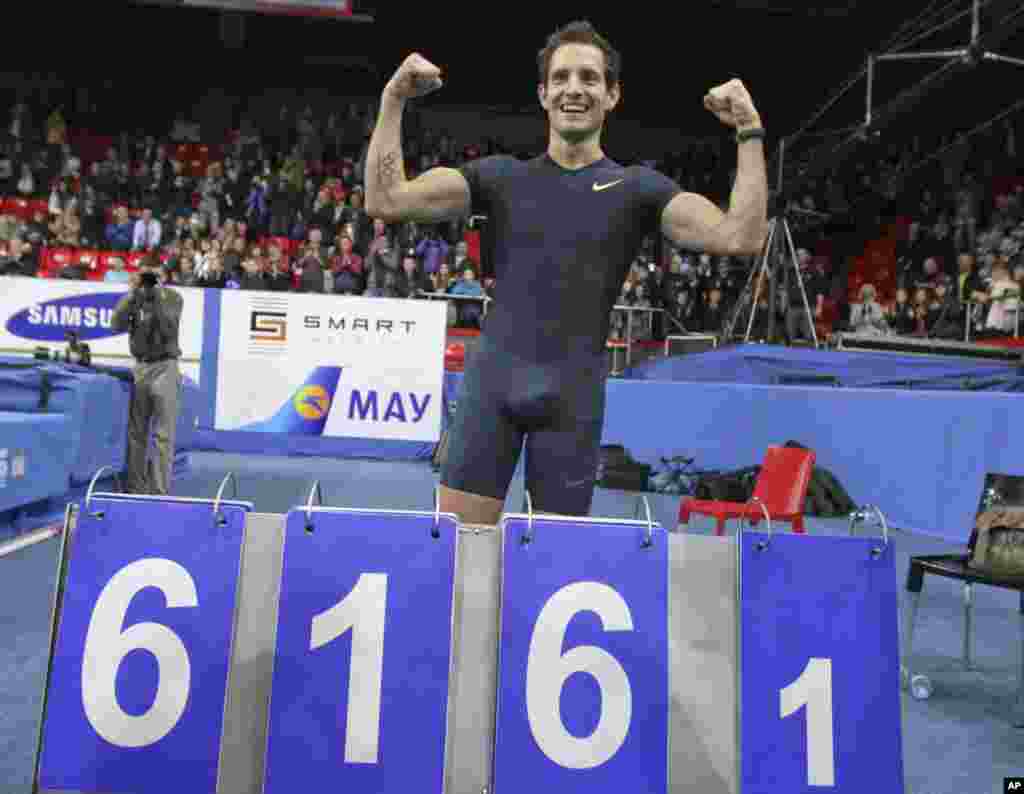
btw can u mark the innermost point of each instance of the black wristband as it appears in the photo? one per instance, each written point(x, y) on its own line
point(751, 134)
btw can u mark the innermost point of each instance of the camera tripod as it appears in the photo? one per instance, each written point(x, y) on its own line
point(778, 250)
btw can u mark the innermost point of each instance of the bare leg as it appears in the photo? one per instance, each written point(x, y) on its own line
point(469, 507)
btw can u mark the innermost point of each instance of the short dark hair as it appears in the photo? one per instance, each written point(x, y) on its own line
point(581, 32)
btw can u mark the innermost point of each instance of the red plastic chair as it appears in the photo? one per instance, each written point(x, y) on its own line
point(781, 487)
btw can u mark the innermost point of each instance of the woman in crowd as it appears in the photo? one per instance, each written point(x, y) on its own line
point(1004, 299)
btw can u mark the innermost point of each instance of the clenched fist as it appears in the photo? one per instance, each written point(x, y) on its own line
point(416, 77)
point(732, 104)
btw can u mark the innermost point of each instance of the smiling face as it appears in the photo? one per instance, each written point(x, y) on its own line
point(576, 95)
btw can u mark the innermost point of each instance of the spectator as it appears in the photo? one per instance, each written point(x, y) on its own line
point(815, 287)
point(120, 232)
point(945, 321)
point(468, 312)
point(642, 320)
point(147, 233)
point(310, 270)
point(442, 280)
point(116, 274)
point(868, 317)
point(900, 316)
point(714, 312)
point(922, 302)
point(388, 288)
point(233, 255)
point(682, 311)
point(186, 273)
point(19, 260)
point(67, 229)
point(250, 276)
point(11, 227)
point(1004, 300)
point(26, 183)
point(212, 274)
point(460, 259)
point(36, 231)
point(412, 281)
point(276, 273)
point(347, 267)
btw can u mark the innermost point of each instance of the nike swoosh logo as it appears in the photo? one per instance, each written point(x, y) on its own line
point(598, 187)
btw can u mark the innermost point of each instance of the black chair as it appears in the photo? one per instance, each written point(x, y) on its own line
point(954, 566)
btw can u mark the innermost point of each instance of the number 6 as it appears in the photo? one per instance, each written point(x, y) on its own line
point(547, 670)
point(106, 645)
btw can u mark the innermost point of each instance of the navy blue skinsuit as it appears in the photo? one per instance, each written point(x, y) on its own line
point(562, 242)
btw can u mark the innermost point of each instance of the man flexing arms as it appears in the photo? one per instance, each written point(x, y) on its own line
point(565, 227)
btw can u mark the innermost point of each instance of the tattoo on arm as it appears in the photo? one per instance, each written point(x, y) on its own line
point(387, 170)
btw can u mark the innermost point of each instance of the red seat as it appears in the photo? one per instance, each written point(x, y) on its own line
point(38, 205)
point(781, 487)
point(132, 261)
point(22, 208)
point(61, 257)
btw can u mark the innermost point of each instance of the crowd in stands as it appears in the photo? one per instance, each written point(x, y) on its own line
point(281, 209)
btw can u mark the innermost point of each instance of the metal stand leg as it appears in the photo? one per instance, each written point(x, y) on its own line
point(919, 686)
point(968, 614)
point(909, 616)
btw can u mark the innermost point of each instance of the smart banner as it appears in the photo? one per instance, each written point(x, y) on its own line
point(336, 366)
point(39, 312)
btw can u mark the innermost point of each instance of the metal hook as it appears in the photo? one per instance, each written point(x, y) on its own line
point(218, 518)
point(649, 537)
point(762, 544)
point(861, 515)
point(435, 531)
point(885, 531)
point(92, 485)
point(309, 504)
point(528, 537)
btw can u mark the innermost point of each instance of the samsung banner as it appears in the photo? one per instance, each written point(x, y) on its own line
point(37, 312)
point(343, 367)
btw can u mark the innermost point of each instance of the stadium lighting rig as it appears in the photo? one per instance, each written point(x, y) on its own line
point(1007, 17)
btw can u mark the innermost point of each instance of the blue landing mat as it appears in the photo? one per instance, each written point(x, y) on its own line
point(773, 365)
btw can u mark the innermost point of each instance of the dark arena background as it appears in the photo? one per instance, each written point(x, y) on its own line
point(859, 380)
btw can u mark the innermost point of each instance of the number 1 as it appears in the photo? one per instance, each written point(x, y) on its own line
point(814, 689)
point(363, 610)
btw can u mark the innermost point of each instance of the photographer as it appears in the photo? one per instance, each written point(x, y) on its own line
point(151, 314)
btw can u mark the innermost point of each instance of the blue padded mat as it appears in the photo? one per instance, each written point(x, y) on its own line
point(770, 365)
point(33, 451)
point(95, 403)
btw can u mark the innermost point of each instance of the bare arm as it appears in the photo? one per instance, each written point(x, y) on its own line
point(438, 195)
point(692, 221)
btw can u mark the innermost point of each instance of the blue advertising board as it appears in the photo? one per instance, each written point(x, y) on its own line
point(819, 665)
point(138, 678)
point(583, 667)
point(359, 695)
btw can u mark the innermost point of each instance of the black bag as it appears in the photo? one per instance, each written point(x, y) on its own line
point(826, 496)
point(733, 486)
point(617, 470)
